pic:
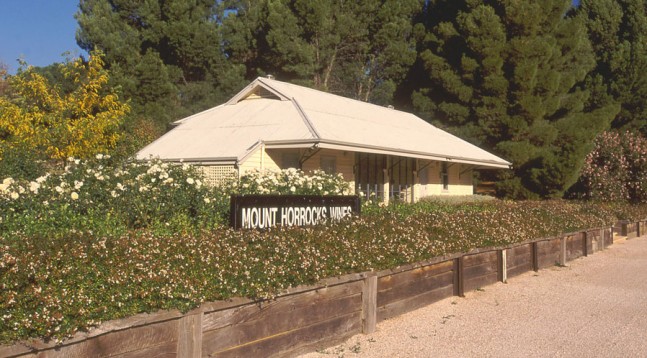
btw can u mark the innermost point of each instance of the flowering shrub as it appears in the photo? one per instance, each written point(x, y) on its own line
point(110, 198)
point(617, 168)
point(290, 181)
point(55, 287)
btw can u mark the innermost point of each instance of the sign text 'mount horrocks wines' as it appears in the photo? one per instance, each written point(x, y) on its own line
point(266, 211)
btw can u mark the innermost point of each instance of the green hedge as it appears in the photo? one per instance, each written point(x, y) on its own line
point(52, 287)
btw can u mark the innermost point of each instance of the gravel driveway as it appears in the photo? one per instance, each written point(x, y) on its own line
point(594, 307)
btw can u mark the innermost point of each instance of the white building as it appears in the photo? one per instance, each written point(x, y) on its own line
point(276, 125)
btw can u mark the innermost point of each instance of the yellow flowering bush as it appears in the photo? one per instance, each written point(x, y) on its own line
point(35, 114)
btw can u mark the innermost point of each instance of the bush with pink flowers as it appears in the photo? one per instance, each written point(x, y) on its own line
point(616, 169)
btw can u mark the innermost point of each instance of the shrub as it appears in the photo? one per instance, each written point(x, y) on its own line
point(616, 169)
point(56, 286)
point(109, 198)
point(289, 181)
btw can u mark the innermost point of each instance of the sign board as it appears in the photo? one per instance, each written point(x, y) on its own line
point(266, 211)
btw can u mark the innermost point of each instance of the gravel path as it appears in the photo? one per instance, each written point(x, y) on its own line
point(594, 307)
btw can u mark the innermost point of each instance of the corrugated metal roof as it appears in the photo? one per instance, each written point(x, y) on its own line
point(302, 116)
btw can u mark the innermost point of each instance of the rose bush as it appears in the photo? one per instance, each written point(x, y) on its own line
point(103, 239)
point(616, 169)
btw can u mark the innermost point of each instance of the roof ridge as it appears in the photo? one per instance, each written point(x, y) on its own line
point(331, 94)
point(305, 118)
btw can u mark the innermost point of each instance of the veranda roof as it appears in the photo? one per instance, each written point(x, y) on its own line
point(283, 115)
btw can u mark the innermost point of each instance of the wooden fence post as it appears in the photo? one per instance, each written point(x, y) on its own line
point(502, 265)
point(459, 284)
point(585, 241)
point(189, 343)
point(602, 238)
point(369, 303)
point(534, 251)
point(562, 250)
point(638, 231)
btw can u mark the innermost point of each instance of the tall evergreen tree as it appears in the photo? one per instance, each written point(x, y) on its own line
point(509, 75)
point(618, 32)
point(165, 54)
point(360, 49)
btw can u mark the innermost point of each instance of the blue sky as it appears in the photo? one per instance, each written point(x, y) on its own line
point(39, 31)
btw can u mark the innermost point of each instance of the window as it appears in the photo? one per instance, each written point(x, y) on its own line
point(328, 164)
point(290, 160)
point(423, 176)
point(444, 176)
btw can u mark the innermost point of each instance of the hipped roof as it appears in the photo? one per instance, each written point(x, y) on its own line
point(283, 115)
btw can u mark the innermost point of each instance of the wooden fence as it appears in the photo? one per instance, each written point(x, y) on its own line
point(313, 317)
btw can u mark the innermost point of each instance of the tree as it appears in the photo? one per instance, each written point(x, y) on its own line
point(618, 32)
point(36, 115)
point(4, 73)
point(360, 49)
point(509, 75)
point(166, 55)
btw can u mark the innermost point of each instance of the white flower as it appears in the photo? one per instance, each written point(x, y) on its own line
point(33, 187)
point(74, 195)
point(58, 189)
point(293, 189)
point(78, 184)
point(114, 194)
point(15, 195)
point(40, 180)
point(8, 181)
point(207, 200)
point(190, 181)
point(99, 156)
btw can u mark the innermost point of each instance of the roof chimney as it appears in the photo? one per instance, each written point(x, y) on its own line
point(270, 77)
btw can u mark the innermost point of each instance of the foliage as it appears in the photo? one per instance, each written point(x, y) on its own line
point(38, 116)
point(108, 198)
point(509, 75)
point(618, 33)
point(359, 49)
point(21, 162)
point(55, 286)
point(616, 169)
point(4, 73)
point(165, 55)
point(289, 181)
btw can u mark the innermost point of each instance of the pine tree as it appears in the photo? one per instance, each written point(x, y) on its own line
point(509, 75)
point(165, 55)
point(618, 32)
point(360, 49)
